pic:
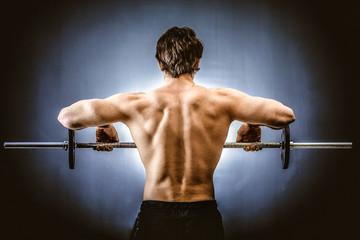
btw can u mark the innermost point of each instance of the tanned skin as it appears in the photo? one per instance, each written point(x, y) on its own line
point(179, 130)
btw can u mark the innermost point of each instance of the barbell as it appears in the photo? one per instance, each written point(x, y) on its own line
point(285, 145)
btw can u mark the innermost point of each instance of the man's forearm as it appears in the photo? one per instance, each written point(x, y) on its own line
point(276, 126)
point(269, 126)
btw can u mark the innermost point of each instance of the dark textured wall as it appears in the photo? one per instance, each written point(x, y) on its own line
point(56, 52)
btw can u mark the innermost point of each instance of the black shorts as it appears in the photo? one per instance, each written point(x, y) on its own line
point(178, 220)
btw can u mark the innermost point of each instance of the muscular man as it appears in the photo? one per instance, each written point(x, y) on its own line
point(179, 130)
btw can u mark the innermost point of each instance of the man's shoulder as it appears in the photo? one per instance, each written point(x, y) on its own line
point(122, 99)
point(220, 90)
point(224, 92)
point(129, 96)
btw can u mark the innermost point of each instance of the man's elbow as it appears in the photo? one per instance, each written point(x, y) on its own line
point(64, 118)
point(281, 118)
point(287, 117)
point(67, 120)
point(292, 117)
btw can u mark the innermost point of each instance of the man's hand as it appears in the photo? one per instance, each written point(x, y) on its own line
point(106, 134)
point(249, 133)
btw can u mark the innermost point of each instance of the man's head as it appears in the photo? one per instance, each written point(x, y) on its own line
point(178, 51)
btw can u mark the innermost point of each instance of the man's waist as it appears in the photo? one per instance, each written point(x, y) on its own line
point(154, 204)
point(173, 191)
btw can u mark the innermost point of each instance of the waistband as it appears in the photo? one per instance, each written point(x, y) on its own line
point(178, 205)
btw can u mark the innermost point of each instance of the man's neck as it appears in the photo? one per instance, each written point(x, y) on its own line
point(183, 79)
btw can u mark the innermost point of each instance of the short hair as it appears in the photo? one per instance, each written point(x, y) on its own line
point(178, 51)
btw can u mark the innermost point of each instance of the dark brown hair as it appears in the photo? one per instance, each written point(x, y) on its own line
point(178, 51)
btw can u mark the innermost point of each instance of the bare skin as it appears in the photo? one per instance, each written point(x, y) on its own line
point(179, 129)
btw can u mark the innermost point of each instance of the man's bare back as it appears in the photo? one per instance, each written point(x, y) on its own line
point(179, 130)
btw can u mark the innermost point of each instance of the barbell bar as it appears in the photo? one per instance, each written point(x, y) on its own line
point(285, 145)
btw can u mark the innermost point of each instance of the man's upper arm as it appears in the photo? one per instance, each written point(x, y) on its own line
point(97, 112)
point(109, 110)
point(256, 110)
point(120, 107)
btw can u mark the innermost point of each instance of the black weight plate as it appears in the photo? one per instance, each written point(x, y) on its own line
point(285, 147)
point(71, 149)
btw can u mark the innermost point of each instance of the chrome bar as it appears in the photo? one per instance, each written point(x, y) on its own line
point(321, 145)
point(36, 145)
